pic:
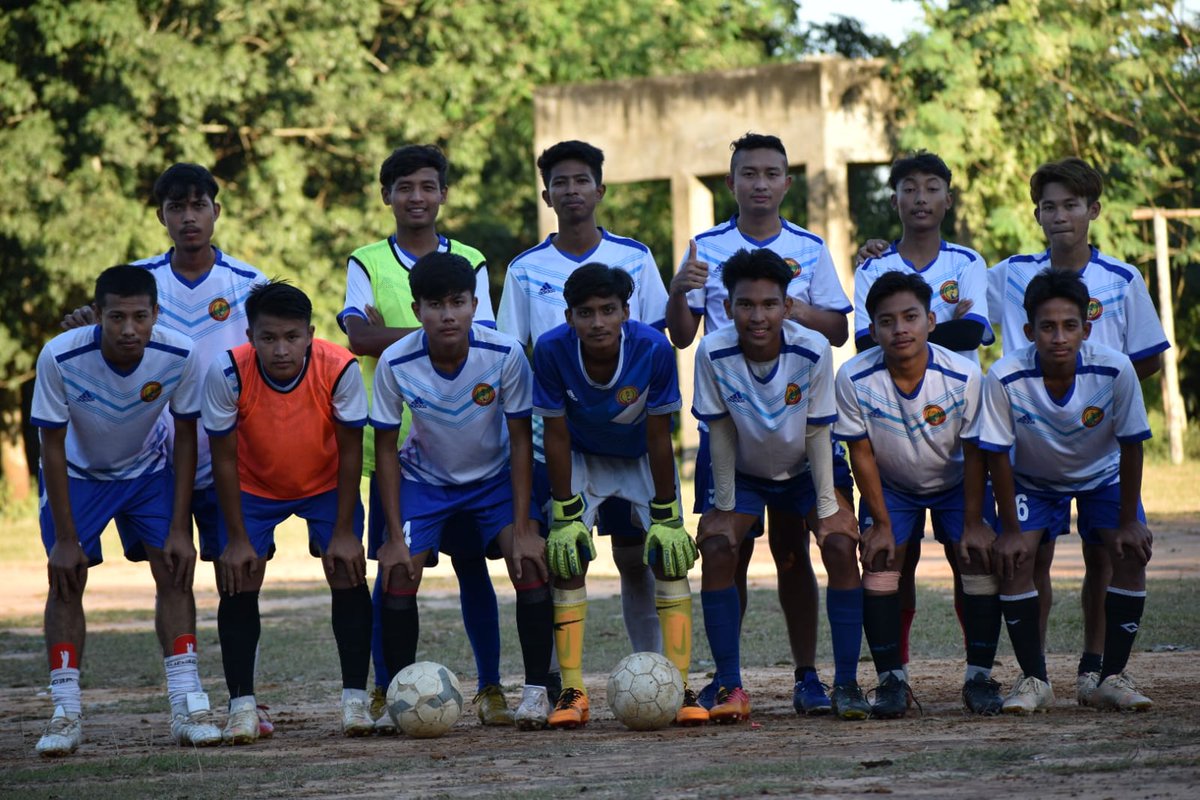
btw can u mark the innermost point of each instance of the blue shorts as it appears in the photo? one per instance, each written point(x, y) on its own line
point(427, 509)
point(754, 495)
point(141, 507)
point(615, 517)
point(1099, 509)
point(261, 515)
point(907, 511)
point(460, 536)
point(702, 479)
point(205, 511)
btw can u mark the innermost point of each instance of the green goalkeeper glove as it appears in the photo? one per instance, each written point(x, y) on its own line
point(667, 536)
point(567, 536)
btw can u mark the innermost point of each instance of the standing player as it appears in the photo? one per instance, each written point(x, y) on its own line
point(97, 401)
point(957, 276)
point(606, 387)
point(765, 387)
point(1071, 414)
point(1066, 198)
point(378, 312)
point(909, 410)
point(284, 412)
point(758, 178)
point(461, 383)
point(532, 304)
point(201, 294)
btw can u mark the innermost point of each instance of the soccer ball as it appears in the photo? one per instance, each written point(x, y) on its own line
point(645, 691)
point(424, 699)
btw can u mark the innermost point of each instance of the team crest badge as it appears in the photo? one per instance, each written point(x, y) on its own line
point(949, 292)
point(151, 391)
point(934, 414)
point(791, 395)
point(794, 266)
point(627, 395)
point(483, 394)
point(1095, 309)
point(1091, 416)
point(219, 309)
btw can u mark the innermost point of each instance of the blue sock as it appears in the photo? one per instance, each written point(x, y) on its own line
point(722, 623)
point(382, 678)
point(844, 608)
point(481, 617)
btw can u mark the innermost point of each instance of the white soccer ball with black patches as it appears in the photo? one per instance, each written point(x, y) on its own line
point(645, 691)
point(424, 699)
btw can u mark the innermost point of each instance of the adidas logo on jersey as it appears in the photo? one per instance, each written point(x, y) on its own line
point(417, 403)
point(876, 414)
point(546, 289)
point(86, 397)
point(1026, 420)
point(571, 396)
point(736, 397)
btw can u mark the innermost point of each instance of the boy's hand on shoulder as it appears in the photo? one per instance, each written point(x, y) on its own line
point(374, 318)
point(873, 248)
point(1133, 540)
point(84, 315)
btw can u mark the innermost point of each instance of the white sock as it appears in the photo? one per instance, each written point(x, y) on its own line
point(354, 694)
point(972, 671)
point(64, 690)
point(183, 677)
point(237, 704)
point(637, 599)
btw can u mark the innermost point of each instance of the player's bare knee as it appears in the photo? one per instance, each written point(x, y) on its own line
point(718, 558)
point(573, 582)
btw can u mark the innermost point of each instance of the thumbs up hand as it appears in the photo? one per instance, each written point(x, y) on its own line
point(692, 275)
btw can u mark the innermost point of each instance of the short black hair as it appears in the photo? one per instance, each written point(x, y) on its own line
point(408, 159)
point(278, 298)
point(571, 150)
point(920, 161)
point(437, 275)
point(179, 181)
point(1080, 178)
point(756, 141)
point(893, 282)
point(125, 280)
point(597, 280)
point(758, 264)
point(1050, 284)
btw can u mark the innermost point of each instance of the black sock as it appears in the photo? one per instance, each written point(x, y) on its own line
point(1021, 618)
point(804, 670)
point(1090, 662)
point(881, 623)
point(401, 629)
point(1122, 617)
point(981, 625)
point(238, 628)
point(352, 630)
point(535, 627)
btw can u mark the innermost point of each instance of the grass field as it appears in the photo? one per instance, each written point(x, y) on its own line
point(938, 753)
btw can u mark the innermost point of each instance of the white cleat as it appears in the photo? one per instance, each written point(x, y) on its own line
point(384, 724)
point(534, 709)
point(63, 735)
point(242, 727)
point(192, 722)
point(1117, 693)
point(356, 717)
point(1085, 688)
point(1029, 696)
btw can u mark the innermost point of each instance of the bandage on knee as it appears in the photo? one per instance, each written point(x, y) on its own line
point(881, 582)
point(981, 584)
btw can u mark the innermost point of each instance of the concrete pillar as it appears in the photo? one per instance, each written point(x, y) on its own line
point(691, 213)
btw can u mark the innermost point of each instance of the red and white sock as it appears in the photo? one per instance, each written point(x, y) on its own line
point(64, 679)
point(183, 675)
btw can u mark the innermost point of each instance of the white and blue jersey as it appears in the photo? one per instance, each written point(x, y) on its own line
point(606, 419)
point(1119, 306)
point(211, 311)
point(957, 273)
point(459, 433)
point(533, 303)
point(771, 405)
point(114, 418)
point(1065, 445)
point(814, 277)
point(917, 438)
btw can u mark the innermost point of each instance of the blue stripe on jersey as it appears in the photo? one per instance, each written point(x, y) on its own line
point(79, 351)
point(166, 348)
point(727, 352)
point(871, 370)
point(800, 351)
point(949, 248)
point(718, 231)
point(801, 232)
point(949, 373)
point(499, 348)
point(1111, 267)
point(635, 244)
point(395, 362)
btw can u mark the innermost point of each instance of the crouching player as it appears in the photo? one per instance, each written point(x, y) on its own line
point(99, 395)
point(909, 411)
point(470, 453)
point(1070, 414)
point(765, 387)
point(284, 414)
point(606, 387)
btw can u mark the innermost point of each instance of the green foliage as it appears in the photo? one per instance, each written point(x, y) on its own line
point(998, 88)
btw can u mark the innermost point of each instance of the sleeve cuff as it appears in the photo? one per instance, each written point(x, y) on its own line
point(185, 414)
point(382, 426)
point(348, 312)
point(1140, 436)
point(827, 420)
point(849, 437)
point(1149, 351)
point(45, 423)
point(549, 412)
point(670, 408)
point(523, 414)
point(709, 417)
point(352, 423)
point(993, 447)
point(219, 432)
